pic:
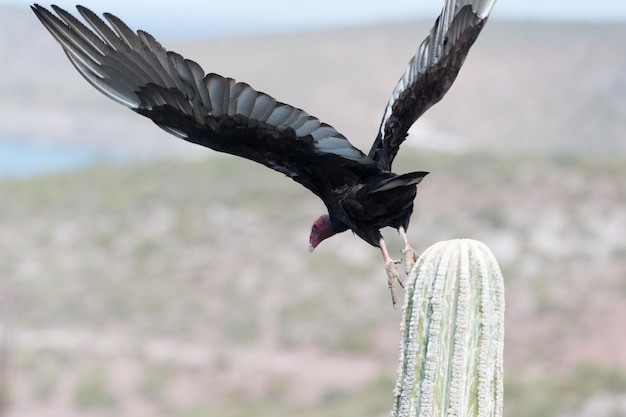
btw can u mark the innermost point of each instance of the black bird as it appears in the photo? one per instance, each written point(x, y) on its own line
point(359, 191)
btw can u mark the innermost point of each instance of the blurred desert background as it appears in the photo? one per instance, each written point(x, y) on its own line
point(163, 279)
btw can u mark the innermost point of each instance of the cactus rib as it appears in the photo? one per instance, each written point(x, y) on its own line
point(452, 334)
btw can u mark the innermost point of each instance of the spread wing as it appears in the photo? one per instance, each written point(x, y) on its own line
point(430, 73)
point(133, 69)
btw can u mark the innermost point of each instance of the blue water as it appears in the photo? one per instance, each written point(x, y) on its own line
point(27, 159)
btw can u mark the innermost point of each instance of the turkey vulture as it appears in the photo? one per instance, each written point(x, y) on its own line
point(359, 191)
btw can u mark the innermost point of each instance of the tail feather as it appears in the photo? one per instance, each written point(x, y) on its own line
point(404, 180)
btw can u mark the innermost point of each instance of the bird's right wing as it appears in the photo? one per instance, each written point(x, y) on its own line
point(133, 69)
point(430, 73)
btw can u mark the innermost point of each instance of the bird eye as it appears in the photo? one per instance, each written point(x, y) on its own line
point(314, 227)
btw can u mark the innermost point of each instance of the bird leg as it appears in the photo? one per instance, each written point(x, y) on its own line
point(392, 271)
point(410, 256)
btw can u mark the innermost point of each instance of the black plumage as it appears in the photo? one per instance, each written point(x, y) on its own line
point(360, 191)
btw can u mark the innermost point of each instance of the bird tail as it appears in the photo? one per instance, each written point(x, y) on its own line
point(404, 180)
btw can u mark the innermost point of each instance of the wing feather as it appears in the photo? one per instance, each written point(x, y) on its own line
point(300, 120)
point(245, 101)
point(322, 132)
point(235, 91)
point(279, 115)
point(219, 93)
point(308, 127)
point(133, 69)
point(125, 33)
point(430, 73)
point(102, 29)
point(263, 107)
point(291, 119)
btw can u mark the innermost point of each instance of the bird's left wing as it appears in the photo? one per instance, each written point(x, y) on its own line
point(430, 73)
point(133, 69)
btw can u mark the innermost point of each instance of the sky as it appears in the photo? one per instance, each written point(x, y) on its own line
point(248, 16)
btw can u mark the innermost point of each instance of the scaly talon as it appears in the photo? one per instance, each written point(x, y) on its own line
point(392, 271)
point(392, 275)
point(410, 257)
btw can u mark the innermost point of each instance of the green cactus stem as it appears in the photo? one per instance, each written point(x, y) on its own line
point(452, 334)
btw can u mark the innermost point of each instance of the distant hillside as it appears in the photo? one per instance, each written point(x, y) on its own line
point(158, 288)
point(526, 86)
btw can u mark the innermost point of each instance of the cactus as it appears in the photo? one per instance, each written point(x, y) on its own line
point(452, 334)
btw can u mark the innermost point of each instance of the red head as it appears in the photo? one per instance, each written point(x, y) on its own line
point(322, 228)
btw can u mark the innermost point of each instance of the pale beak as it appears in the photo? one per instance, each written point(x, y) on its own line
point(311, 248)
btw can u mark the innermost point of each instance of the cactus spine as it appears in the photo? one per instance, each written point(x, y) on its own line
point(452, 334)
